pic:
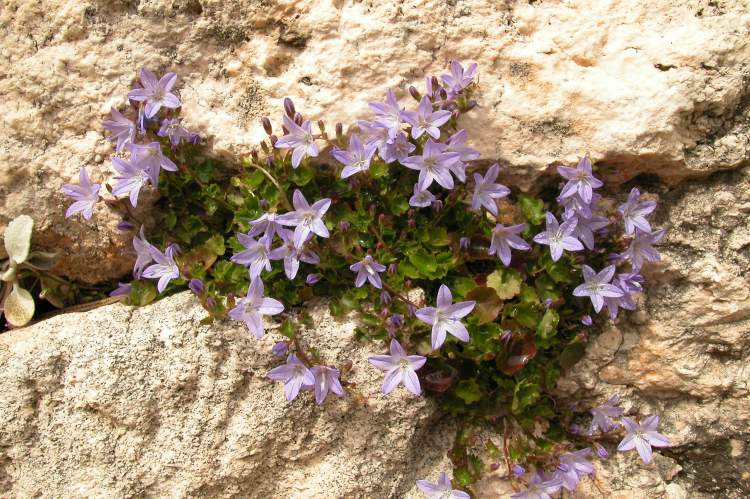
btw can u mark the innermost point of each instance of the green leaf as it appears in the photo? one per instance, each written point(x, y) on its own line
point(469, 390)
point(525, 394)
point(254, 180)
point(19, 304)
point(18, 240)
point(378, 169)
point(462, 477)
point(215, 244)
point(547, 327)
point(287, 329)
point(505, 282)
point(532, 208)
point(488, 304)
point(302, 175)
point(524, 313)
point(461, 286)
point(559, 271)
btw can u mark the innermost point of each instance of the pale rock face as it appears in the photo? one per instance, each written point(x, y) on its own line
point(658, 87)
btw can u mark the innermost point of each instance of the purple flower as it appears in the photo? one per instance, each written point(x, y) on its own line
point(559, 237)
point(421, 198)
point(603, 414)
point(440, 490)
point(150, 158)
point(580, 180)
point(486, 190)
point(389, 113)
point(378, 135)
point(597, 286)
point(446, 317)
point(433, 164)
point(504, 238)
point(300, 139)
point(398, 149)
point(125, 226)
point(425, 120)
point(267, 224)
point(122, 289)
point(306, 218)
point(122, 130)
point(385, 298)
point(518, 470)
point(642, 437)
point(85, 195)
point(399, 368)
point(326, 380)
point(280, 349)
point(312, 279)
point(601, 451)
point(292, 253)
point(254, 306)
point(357, 158)
point(628, 283)
point(143, 254)
point(464, 243)
point(539, 488)
point(459, 78)
point(130, 180)
point(165, 269)
point(634, 212)
point(641, 248)
point(585, 227)
point(155, 92)
point(196, 286)
point(575, 205)
point(586, 320)
point(294, 374)
point(456, 144)
point(574, 466)
point(256, 256)
point(368, 270)
point(173, 129)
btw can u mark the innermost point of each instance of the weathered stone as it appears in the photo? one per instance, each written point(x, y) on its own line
point(658, 87)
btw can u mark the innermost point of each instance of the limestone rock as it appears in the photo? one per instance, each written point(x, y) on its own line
point(658, 87)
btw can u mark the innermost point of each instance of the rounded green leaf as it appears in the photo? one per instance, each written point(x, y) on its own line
point(18, 238)
point(19, 306)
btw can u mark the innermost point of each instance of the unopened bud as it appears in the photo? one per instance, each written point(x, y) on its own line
point(312, 279)
point(196, 286)
point(411, 223)
point(298, 119)
point(414, 93)
point(392, 268)
point(273, 140)
point(435, 84)
point(381, 218)
point(125, 226)
point(407, 284)
point(344, 226)
point(322, 126)
point(437, 205)
point(443, 94)
point(347, 365)
point(601, 451)
point(267, 125)
point(385, 298)
point(464, 243)
point(289, 107)
point(264, 204)
point(471, 105)
point(455, 114)
point(254, 155)
point(211, 303)
point(339, 131)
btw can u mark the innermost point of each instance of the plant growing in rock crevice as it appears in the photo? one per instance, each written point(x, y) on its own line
point(397, 203)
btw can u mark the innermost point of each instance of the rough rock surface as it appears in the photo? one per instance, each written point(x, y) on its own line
point(124, 402)
point(659, 86)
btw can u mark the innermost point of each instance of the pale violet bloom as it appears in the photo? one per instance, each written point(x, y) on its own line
point(559, 237)
point(421, 198)
point(486, 191)
point(355, 159)
point(446, 317)
point(642, 437)
point(504, 238)
point(267, 224)
point(326, 380)
point(253, 307)
point(580, 180)
point(388, 113)
point(597, 286)
point(378, 135)
point(574, 205)
point(456, 143)
point(433, 164)
point(574, 466)
point(122, 130)
point(292, 253)
point(306, 218)
point(130, 180)
point(399, 368)
point(440, 490)
point(585, 227)
point(459, 78)
point(368, 270)
point(156, 93)
point(628, 283)
point(399, 149)
point(85, 195)
point(539, 488)
point(256, 256)
point(165, 269)
point(294, 374)
point(641, 248)
point(173, 129)
point(300, 139)
point(150, 158)
point(602, 415)
point(142, 253)
point(634, 212)
point(425, 120)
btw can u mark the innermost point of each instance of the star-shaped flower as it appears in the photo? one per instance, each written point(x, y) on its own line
point(294, 374)
point(441, 490)
point(641, 248)
point(399, 368)
point(151, 158)
point(253, 307)
point(421, 198)
point(173, 129)
point(446, 317)
point(300, 139)
point(326, 380)
point(377, 134)
point(292, 253)
point(456, 144)
point(634, 212)
point(486, 190)
point(130, 180)
point(597, 286)
point(121, 128)
point(357, 158)
point(400, 148)
point(256, 256)
point(574, 466)
point(85, 195)
point(388, 113)
point(368, 270)
point(143, 253)
point(306, 218)
point(267, 224)
point(459, 78)
point(559, 237)
point(586, 226)
point(425, 120)
point(504, 238)
point(433, 164)
point(580, 180)
point(642, 437)
point(602, 415)
point(165, 269)
point(156, 93)
point(539, 488)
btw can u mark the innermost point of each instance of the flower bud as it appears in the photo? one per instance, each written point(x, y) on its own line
point(289, 107)
point(344, 226)
point(312, 279)
point(464, 243)
point(266, 125)
point(273, 139)
point(601, 451)
point(412, 310)
point(396, 320)
point(322, 126)
point(339, 131)
point(280, 349)
point(407, 284)
point(437, 205)
point(380, 246)
point(195, 138)
point(347, 365)
point(575, 429)
point(264, 147)
point(410, 213)
point(411, 223)
point(196, 286)
point(298, 119)
point(455, 114)
point(548, 302)
point(381, 218)
point(385, 312)
point(471, 105)
point(506, 336)
point(415, 93)
point(264, 204)
point(125, 226)
point(443, 94)
point(494, 466)
point(434, 84)
point(518, 470)
point(385, 298)
point(254, 155)
point(392, 268)
point(211, 303)
point(586, 320)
